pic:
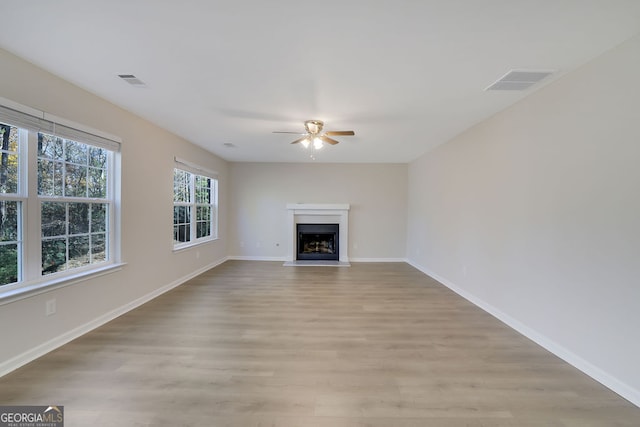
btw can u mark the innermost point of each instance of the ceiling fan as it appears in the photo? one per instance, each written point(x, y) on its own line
point(315, 135)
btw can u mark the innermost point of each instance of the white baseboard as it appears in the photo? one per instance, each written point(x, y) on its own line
point(44, 348)
point(256, 258)
point(283, 259)
point(606, 379)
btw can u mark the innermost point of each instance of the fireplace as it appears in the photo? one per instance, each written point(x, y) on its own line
point(318, 214)
point(318, 242)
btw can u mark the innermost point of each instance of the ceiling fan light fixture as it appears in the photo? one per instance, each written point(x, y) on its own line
point(315, 136)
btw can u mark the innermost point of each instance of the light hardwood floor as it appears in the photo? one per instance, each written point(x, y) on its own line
point(257, 344)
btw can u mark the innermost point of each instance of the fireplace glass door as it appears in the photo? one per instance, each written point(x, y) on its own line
point(317, 241)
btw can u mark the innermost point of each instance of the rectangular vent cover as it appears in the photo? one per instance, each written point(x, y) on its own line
point(519, 80)
point(131, 79)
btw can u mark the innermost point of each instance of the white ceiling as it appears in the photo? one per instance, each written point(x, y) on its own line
point(406, 75)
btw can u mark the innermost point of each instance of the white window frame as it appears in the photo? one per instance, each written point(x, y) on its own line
point(21, 200)
point(108, 200)
point(29, 122)
point(194, 170)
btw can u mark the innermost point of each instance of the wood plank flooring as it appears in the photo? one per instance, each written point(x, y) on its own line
point(258, 344)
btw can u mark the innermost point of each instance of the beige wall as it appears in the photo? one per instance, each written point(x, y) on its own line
point(259, 193)
point(535, 215)
point(147, 166)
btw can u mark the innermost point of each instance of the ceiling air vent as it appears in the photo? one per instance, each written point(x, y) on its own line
point(132, 80)
point(519, 80)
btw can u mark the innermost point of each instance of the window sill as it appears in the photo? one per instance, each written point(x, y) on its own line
point(41, 287)
point(193, 245)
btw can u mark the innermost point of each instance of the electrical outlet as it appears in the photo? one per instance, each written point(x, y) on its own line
point(197, 254)
point(50, 307)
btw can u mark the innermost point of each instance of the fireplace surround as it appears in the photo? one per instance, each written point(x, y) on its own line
point(313, 213)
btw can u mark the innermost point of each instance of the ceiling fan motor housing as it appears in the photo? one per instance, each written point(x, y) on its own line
point(314, 127)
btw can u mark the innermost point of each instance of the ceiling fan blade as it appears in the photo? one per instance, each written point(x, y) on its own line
point(295, 133)
point(299, 140)
point(328, 140)
point(340, 132)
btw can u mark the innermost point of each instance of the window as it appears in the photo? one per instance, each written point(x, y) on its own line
point(61, 223)
point(195, 208)
point(72, 186)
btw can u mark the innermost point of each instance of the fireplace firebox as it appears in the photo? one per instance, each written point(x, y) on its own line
point(318, 242)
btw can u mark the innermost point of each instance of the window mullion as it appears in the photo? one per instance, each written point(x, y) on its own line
point(32, 260)
point(214, 208)
point(72, 199)
point(192, 203)
point(113, 185)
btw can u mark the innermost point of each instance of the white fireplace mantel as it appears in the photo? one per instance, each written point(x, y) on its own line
point(314, 213)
